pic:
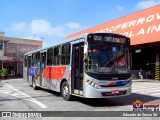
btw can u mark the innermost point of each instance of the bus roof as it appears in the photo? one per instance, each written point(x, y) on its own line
point(71, 40)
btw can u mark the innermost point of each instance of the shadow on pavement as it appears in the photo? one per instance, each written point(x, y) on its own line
point(117, 101)
point(57, 94)
point(104, 102)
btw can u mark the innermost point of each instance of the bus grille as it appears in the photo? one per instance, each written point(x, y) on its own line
point(110, 78)
point(113, 85)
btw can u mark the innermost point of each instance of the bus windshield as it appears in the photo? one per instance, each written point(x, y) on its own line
point(107, 59)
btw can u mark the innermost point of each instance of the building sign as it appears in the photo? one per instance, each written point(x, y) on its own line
point(6, 58)
point(141, 27)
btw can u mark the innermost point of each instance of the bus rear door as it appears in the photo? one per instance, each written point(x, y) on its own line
point(29, 61)
point(42, 66)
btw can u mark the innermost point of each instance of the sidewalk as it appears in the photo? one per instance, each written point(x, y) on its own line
point(10, 78)
point(1, 83)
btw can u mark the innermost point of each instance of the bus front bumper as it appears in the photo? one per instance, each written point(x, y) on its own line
point(91, 92)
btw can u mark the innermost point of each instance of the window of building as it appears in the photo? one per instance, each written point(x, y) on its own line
point(66, 54)
point(1, 45)
point(49, 56)
point(57, 56)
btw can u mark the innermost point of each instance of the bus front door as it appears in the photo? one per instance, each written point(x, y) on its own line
point(77, 68)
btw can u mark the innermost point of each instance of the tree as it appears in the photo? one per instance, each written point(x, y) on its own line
point(4, 73)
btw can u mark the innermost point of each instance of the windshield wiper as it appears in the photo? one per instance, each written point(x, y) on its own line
point(109, 61)
point(120, 54)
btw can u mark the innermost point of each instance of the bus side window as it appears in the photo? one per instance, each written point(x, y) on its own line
point(49, 56)
point(57, 55)
point(33, 60)
point(37, 59)
point(65, 54)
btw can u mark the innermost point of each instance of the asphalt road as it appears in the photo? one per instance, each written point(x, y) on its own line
point(17, 95)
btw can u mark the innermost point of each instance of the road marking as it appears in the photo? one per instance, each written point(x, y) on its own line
point(146, 85)
point(22, 95)
point(142, 89)
point(147, 89)
point(156, 94)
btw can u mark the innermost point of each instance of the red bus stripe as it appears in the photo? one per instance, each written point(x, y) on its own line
point(54, 72)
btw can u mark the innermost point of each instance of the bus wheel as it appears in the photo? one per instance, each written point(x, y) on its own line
point(34, 84)
point(65, 92)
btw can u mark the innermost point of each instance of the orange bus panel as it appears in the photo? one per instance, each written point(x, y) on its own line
point(54, 72)
point(142, 27)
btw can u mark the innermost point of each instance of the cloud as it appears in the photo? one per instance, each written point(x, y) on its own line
point(146, 4)
point(45, 44)
point(73, 25)
point(120, 8)
point(41, 29)
point(32, 37)
point(42, 26)
point(19, 26)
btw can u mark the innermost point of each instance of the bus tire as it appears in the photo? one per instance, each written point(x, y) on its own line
point(65, 92)
point(34, 84)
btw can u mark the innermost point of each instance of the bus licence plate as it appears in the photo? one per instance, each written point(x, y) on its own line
point(115, 91)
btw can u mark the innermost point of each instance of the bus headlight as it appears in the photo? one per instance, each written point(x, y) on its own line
point(93, 84)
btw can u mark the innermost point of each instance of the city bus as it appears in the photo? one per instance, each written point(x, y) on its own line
point(93, 65)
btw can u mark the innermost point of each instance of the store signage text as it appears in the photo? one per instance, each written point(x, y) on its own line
point(144, 21)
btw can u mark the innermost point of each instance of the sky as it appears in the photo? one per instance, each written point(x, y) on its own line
point(52, 20)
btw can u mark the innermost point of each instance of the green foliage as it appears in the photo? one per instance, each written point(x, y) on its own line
point(4, 72)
